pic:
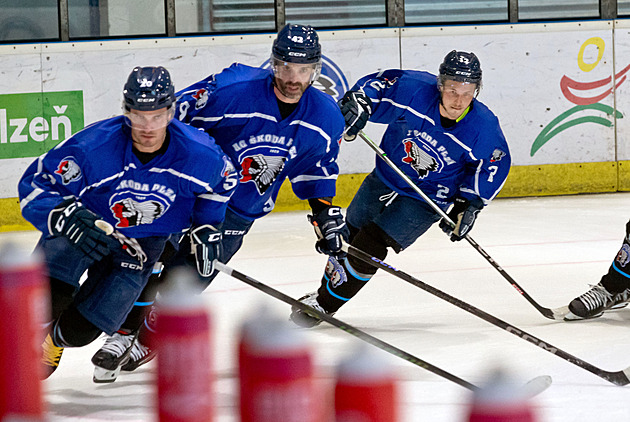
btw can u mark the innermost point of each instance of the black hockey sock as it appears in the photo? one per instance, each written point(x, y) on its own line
point(616, 280)
point(61, 295)
point(340, 283)
point(147, 329)
point(618, 277)
point(73, 330)
point(372, 240)
point(142, 306)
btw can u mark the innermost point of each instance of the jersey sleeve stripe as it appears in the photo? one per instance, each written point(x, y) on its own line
point(214, 197)
point(316, 129)
point(307, 178)
point(461, 144)
point(34, 194)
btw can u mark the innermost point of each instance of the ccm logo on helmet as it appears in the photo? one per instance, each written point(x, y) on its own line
point(296, 54)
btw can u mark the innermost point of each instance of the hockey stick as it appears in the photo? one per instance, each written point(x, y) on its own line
point(556, 314)
point(617, 378)
point(533, 387)
point(129, 244)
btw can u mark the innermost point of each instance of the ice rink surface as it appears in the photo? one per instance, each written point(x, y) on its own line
point(554, 247)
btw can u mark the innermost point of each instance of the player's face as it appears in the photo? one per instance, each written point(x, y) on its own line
point(292, 79)
point(148, 128)
point(456, 97)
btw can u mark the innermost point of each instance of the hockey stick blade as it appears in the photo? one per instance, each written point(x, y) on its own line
point(537, 386)
point(362, 335)
point(618, 378)
point(546, 312)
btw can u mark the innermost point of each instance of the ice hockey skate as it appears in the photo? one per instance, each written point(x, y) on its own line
point(51, 355)
point(110, 358)
point(306, 319)
point(140, 354)
point(593, 303)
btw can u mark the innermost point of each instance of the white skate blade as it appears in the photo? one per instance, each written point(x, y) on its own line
point(537, 386)
point(102, 375)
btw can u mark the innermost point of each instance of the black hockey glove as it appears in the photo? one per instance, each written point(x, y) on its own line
point(331, 231)
point(463, 213)
point(72, 220)
point(206, 244)
point(356, 108)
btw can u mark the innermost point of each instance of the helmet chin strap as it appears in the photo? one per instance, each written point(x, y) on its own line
point(463, 114)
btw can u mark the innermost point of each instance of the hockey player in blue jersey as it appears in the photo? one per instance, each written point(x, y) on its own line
point(141, 174)
point(274, 125)
point(446, 141)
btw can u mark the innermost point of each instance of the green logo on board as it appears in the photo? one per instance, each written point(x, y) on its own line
point(31, 124)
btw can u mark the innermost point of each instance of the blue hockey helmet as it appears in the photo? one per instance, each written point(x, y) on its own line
point(297, 44)
point(148, 88)
point(461, 67)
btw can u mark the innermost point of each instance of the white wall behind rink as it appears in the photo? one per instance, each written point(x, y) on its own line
point(523, 65)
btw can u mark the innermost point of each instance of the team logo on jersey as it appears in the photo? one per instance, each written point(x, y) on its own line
point(421, 158)
point(228, 167)
point(331, 79)
point(623, 256)
point(201, 97)
point(133, 209)
point(261, 170)
point(69, 170)
point(497, 154)
point(335, 273)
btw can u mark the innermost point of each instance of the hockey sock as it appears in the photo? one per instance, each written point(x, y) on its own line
point(372, 240)
point(344, 278)
point(142, 306)
point(61, 295)
point(73, 330)
point(618, 277)
point(147, 330)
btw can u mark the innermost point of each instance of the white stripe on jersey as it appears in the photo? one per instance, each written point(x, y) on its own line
point(36, 190)
point(316, 129)
point(34, 194)
point(404, 107)
point(214, 197)
point(107, 179)
point(461, 144)
point(201, 183)
point(430, 120)
point(235, 116)
point(307, 178)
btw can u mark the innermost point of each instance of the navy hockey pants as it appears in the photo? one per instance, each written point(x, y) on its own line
point(112, 284)
point(402, 218)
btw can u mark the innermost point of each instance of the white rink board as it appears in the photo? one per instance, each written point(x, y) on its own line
point(523, 65)
point(622, 60)
point(522, 68)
